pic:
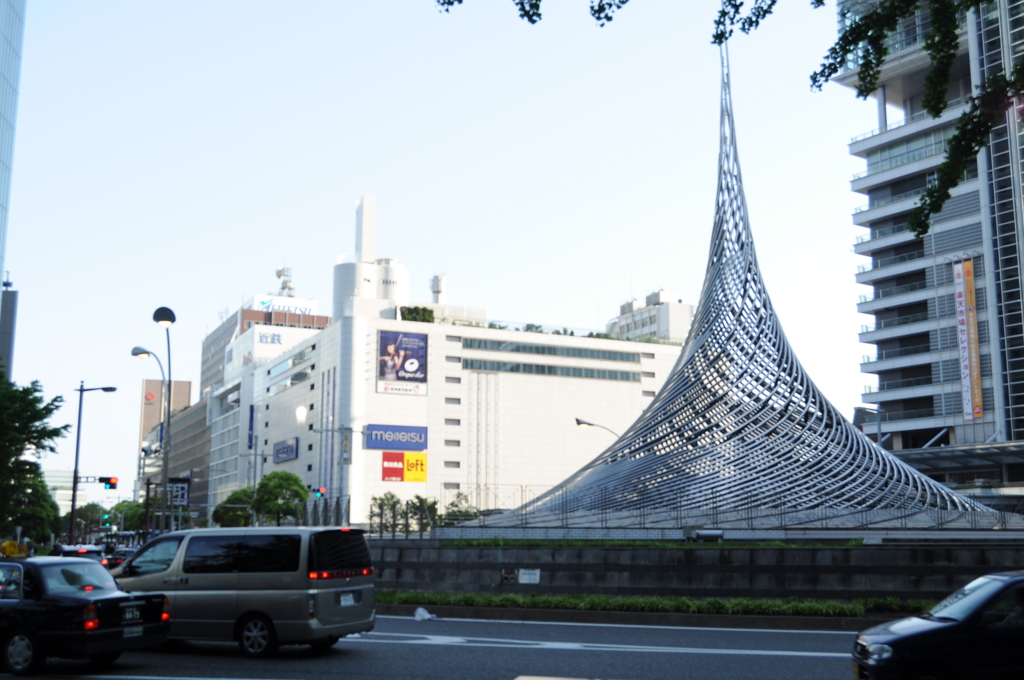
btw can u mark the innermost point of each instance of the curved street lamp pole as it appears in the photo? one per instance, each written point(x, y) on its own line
point(165, 318)
point(81, 389)
point(165, 426)
point(584, 423)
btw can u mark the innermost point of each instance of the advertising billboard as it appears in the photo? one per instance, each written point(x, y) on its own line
point(967, 340)
point(397, 466)
point(286, 450)
point(402, 363)
point(395, 437)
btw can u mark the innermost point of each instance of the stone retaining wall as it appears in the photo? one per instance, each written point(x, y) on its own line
point(832, 573)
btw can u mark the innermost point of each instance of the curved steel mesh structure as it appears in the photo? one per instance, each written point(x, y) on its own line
point(739, 427)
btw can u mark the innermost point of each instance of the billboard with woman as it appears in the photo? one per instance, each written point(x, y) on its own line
point(402, 363)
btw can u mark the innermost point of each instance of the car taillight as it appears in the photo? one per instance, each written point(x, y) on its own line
point(166, 616)
point(90, 619)
point(343, 573)
point(104, 561)
point(312, 606)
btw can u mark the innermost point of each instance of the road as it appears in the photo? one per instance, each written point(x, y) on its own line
point(461, 649)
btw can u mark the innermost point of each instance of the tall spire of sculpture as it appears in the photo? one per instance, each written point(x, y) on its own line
point(738, 425)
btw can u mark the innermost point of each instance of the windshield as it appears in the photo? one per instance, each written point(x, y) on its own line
point(960, 604)
point(60, 578)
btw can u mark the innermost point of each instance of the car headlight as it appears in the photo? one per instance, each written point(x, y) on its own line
point(878, 652)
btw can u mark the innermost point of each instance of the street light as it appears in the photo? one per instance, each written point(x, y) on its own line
point(78, 443)
point(164, 317)
point(165, 426)
point(584, 423)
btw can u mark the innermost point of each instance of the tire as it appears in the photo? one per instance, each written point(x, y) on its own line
point(22, 654)
point(324, 644)
point(105, 660)
point(256, 637)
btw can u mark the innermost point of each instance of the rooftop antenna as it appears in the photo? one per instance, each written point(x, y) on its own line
point(285, 274)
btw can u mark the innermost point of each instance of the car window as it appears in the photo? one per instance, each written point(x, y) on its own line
point(1007, 611)
point(270, 552)
point(63, 578)
point(212, 554)
point(965, 601)
point(336, 550)
point(155, 557)
point(10, 582)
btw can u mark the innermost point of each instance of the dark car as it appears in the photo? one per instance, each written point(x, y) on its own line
point(89, 552)
point(120, 555)
point(72, 608)
point(976, 633)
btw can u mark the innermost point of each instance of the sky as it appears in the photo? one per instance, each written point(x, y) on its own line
point(176, 154)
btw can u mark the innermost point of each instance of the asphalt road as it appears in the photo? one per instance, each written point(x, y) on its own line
point(460, 649)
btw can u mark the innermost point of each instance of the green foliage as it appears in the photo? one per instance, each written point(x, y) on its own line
point(23, 429)
point(234, 516)
point(534, 328)
point(87, 517)
point(674, 605)
point(459, 510)
point(495, 324)
point(605, 336)
point(129, 515)
point(386, 513)
point(279, 495)
point(424, 314)
point(34, 510)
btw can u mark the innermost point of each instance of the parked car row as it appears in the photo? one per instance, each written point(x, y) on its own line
point(260, 587)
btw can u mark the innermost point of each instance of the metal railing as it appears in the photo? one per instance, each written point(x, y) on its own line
point(896, 353)
point(890, 416)
point(933, 149)
point(972, 173)
point(896, 290)
point(897, 384)
point(880, 233)
point(890, 261)
point(920, 115)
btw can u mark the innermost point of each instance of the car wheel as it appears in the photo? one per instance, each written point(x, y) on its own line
point(22, 654)
point(324, 643)
point(256, 637)
point(105, 660)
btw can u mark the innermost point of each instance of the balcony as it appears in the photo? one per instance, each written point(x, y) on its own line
point(933, 149)
point(891, 416)
point(893, 323)
point(972, 173)
point(896, 353)
point(896, 290)
point(881, 233)
point(897, 384)
point(890, 261)
point(921, 115)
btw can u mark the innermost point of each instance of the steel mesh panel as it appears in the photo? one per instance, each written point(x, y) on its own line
point(739, 425)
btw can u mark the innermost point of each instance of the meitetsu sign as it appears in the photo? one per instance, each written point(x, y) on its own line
point(396, 437)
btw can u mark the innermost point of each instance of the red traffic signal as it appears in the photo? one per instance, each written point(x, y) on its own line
point(108, 482)
point(320, 492)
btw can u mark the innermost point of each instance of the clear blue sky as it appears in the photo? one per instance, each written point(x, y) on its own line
point(176, 153)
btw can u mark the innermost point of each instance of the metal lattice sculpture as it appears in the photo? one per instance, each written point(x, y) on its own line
point(739, 431)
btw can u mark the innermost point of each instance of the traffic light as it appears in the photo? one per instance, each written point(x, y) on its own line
point(108, 482)
point(106, 520)
point(320, 492)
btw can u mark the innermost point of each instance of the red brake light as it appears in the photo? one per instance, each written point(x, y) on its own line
point(343, 573)
point(346, 530)
point(166, 616)
point(104, 561)
point(82, 550)
point(90, 619)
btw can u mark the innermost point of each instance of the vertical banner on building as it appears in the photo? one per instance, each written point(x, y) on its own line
point(967, 340)
point(402, 363)
point(974, 353)
point(252, 415)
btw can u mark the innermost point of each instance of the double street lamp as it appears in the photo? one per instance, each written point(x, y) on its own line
point(81, 389)
point(164, 318)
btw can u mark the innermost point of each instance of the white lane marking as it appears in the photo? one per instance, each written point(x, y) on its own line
point(449, 641)
point(628, 625)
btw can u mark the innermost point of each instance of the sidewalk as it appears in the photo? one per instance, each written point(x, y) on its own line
point(849, 624)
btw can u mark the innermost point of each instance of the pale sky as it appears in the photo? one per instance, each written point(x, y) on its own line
point(175, 154)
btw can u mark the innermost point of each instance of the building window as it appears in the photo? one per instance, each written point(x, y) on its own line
point(312, 385)
point(452, 442)
point(452, 464)
point(310, 448)
point(646, 374)
point(266, 424)
point(452, 400)
point(453, 338)
point(266, 442)
point(268, 405)
point(541, 369)
point(647, 355)
point(452, 486)
point(550, 350)
point(311, 427)
point(452, 379)
point(452, 421)
point(453, 360)
point(648, 393)
point(309, 468)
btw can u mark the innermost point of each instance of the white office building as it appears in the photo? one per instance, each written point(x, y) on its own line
point(657, 318)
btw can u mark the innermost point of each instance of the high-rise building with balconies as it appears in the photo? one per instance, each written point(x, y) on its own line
point(950, 374)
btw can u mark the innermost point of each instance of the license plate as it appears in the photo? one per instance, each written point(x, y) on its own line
point(130, 614)
point(134, 631)
point(346, 600)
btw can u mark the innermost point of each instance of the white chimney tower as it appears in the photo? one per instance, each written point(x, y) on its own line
point(439, 287)
point(366, 229)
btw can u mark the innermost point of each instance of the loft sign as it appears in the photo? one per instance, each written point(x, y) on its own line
point(396, 437)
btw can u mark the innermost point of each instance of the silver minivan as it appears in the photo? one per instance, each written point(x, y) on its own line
point(262, 587)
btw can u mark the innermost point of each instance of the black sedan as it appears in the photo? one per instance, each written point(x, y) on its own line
point(71, 607)
point(976, 633)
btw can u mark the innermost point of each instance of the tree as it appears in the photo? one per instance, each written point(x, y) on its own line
point(23, 428)
point(35, 511)
point(129, 515)
point(227, 516)
point(87, 516)
point(865, 27)
point(279, 495)
point(424, 314)
point(459, 510)
point(385, 512)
